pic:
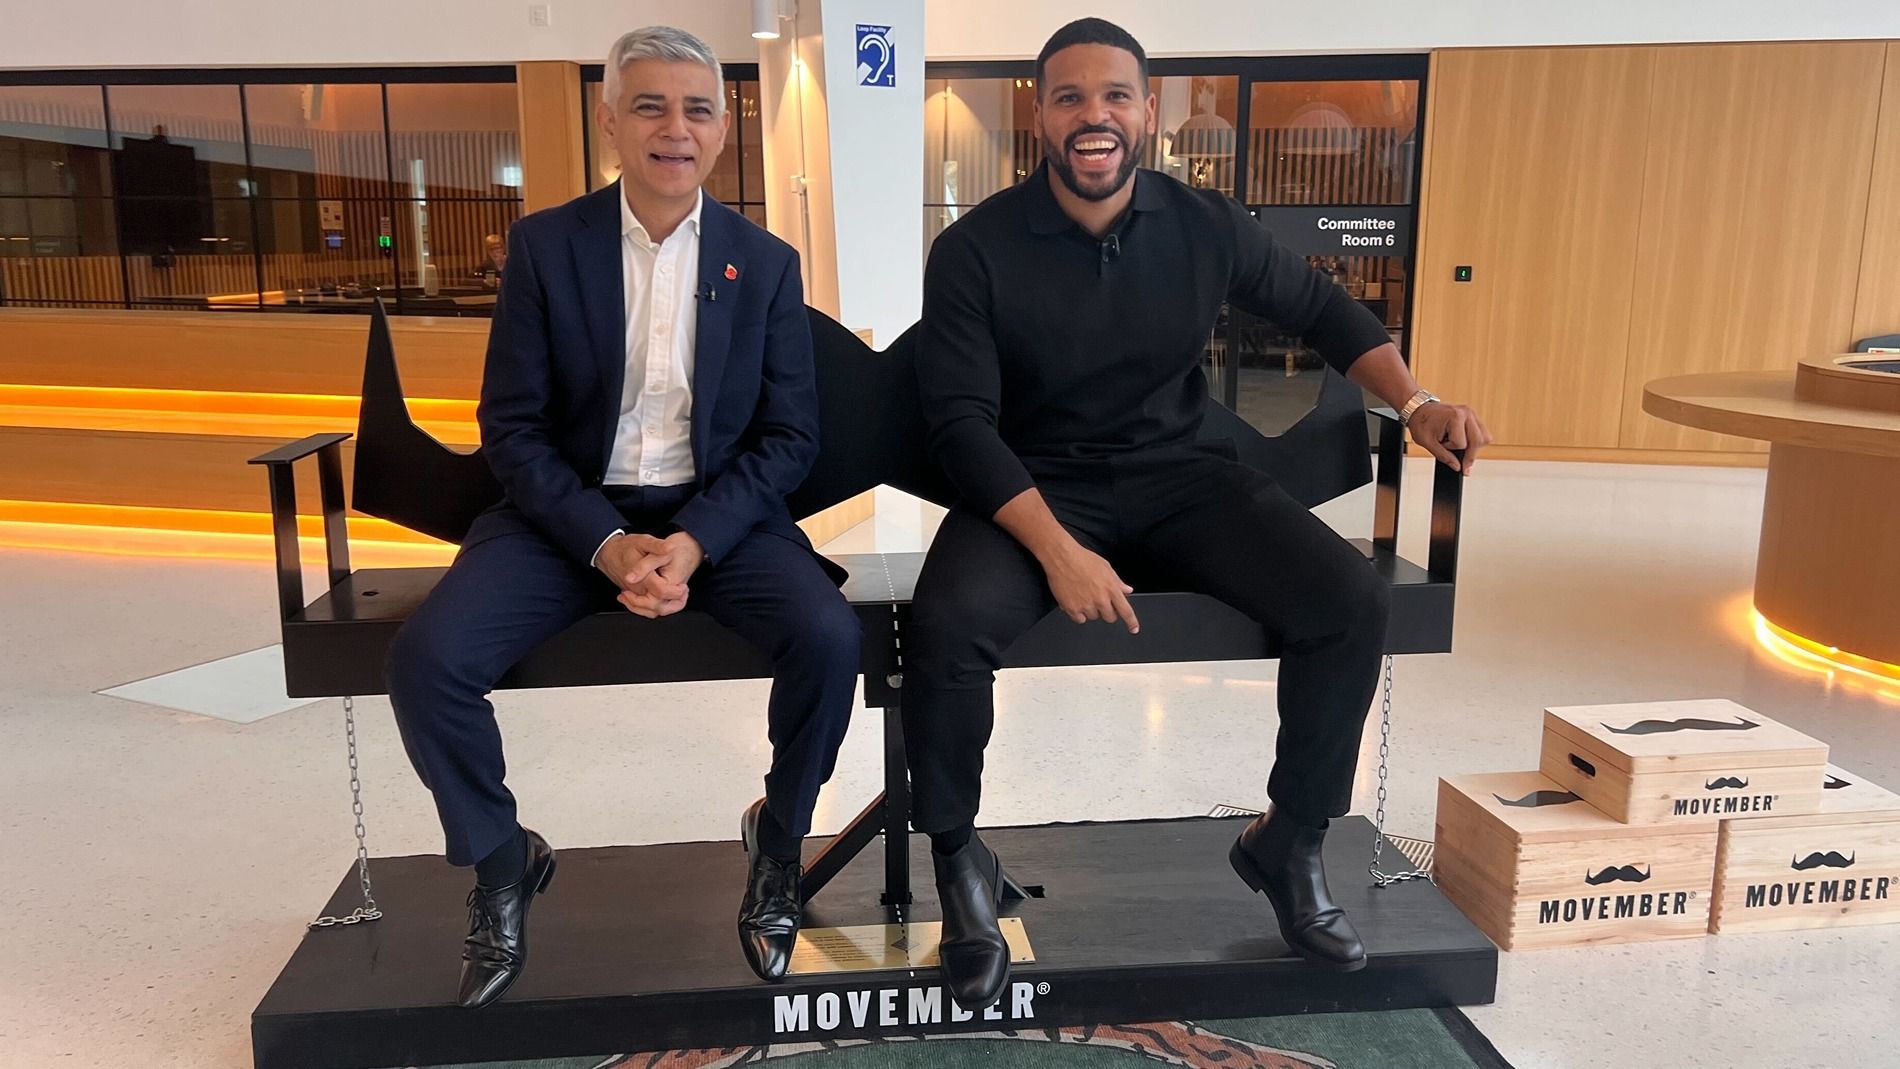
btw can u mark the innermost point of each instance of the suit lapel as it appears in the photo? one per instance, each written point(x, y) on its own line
point(597, 264)
point(721, 274)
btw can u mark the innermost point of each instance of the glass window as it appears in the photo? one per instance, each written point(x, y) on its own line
point(61, 250)
point(1195, 119)
point(58, 238)
point(178, 141)
point(308, 264)
point(603, 166)
point(723, 182)
point(751, 145)
point(455, 140)
point(261, 195)
point(318, 141)
point(1332, 142)
point(53, 142)
point(57, 226)
point(217, 268)
point(1312, 144)
point(979, 138)
point(451, 254)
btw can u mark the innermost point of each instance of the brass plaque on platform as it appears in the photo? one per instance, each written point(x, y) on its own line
point(863, 947)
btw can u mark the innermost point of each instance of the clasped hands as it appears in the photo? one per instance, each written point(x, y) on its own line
point(652, 572)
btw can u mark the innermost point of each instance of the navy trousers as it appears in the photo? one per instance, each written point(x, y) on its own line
point(506, 595)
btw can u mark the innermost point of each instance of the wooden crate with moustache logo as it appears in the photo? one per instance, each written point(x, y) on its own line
point(1683, 762)
point(1534, 865)
point(1838, 867)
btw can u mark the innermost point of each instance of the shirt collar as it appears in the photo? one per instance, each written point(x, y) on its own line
point(630, 224)
point(1047, 217)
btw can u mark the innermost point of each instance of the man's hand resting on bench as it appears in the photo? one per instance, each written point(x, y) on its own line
point(651, 572)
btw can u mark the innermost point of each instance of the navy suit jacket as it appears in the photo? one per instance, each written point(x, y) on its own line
point(557, 359)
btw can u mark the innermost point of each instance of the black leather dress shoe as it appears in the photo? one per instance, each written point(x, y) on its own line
point(1279, 857)
point(774, 906)
point(975, 957)
point(497, 944)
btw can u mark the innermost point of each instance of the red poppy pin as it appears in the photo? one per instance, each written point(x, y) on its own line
point(732, 273)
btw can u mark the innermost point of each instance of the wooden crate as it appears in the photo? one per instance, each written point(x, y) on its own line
point(1834, 868)
point(1686, 762)
point(1519, 854)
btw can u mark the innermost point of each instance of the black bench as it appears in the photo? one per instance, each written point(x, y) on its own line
point(372, 998)
point(871, 434)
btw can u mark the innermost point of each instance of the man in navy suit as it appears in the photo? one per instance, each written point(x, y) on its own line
point(649, 400)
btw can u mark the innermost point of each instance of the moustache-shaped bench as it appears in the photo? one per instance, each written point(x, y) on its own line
point(872, 433)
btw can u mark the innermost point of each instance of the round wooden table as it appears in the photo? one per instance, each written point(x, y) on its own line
point(1828, 567)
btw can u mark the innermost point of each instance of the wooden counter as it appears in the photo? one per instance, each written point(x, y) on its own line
point(1828, 564)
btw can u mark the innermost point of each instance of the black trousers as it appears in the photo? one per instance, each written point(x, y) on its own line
point(1187, 518)
point(505, 596)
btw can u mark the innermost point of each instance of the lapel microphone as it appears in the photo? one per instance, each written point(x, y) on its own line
point(706, 292)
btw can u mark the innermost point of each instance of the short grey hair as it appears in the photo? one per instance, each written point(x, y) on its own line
point(660, 42)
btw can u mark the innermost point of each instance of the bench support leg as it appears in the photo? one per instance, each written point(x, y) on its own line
point(896, 810)
point(844, 846)
point(888, 815)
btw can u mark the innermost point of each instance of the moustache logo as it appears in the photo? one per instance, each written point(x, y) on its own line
point(1721, 782)
point(1539, 798)
point(1832, 859)
point(1835, 783)
point(1617, 874)
point(1688, 723)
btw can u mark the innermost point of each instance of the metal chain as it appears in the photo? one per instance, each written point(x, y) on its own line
point(1382, 879)
point(367, 911)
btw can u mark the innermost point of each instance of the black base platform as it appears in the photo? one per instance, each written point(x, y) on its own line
point(634, 948)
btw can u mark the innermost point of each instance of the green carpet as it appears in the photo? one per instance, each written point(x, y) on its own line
point(1413, 1039)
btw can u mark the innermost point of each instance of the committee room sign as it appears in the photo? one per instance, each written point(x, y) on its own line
point(1380, 230)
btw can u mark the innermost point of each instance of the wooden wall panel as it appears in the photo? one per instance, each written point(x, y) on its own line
point(244, 351)
point(1533, 157)
point(1877, 308)
point(189, 471)
point(553, 159)
point(1754, 206)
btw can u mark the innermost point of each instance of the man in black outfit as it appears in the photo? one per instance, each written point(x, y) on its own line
point(1063, 325)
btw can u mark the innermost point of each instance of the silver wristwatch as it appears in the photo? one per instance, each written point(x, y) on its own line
point(1413, 404)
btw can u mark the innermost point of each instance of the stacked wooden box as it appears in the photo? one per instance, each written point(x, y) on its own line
point(1664, 820)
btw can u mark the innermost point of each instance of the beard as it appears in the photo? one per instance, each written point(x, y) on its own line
point(1095, 189)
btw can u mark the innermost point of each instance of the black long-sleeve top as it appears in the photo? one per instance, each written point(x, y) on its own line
point(1041, 341)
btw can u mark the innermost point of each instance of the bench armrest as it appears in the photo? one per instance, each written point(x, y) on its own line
point(1448, 496)
point(299, 449)
point(280, 464)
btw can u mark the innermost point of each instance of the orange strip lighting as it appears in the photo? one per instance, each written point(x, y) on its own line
point(126, 531)
point(228, 412)
point(1807, 654)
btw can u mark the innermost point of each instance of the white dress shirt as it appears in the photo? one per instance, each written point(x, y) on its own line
point(653, 441)
point(653, 438)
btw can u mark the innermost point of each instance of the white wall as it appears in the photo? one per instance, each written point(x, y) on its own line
point(986, 29)
point(261, 33)
point(195, 33)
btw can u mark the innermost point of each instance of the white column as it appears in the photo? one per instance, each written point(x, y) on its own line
point(843, 91)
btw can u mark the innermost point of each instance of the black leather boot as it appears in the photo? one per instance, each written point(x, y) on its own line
point(497, 944)
point(974, 954)
point(1280, 858)
point(774, 906)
